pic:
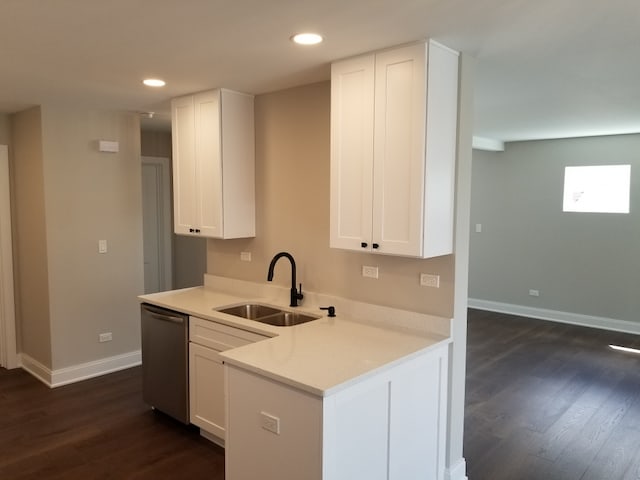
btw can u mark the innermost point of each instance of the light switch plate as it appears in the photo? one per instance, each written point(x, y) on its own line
point(102, 246)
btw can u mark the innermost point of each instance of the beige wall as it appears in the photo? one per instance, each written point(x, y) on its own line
point(292, 197)
point(68, 197)
point(30, 237)
point(155, 144)
point(5, 129)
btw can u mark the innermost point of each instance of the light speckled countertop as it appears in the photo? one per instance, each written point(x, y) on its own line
point(320, 357)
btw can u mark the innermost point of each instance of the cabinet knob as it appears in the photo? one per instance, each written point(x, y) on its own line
point(375, 245)
point(364, 244)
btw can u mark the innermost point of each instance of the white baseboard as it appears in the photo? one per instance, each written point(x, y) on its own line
point(557, 316)
point(36, 369)
point(212, 438)
point(77, 373)
point(457, 471)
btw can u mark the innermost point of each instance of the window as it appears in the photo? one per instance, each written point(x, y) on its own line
point(601, 189)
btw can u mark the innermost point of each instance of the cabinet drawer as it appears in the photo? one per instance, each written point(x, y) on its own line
point(219, 337)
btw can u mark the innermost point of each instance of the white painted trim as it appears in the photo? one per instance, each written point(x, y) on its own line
point(8, 346)
point(35, 368)
point(489, 144)
point(557, 316)
point(458, 348)
point(457, 472)
point(212, 437)
point(77, 373)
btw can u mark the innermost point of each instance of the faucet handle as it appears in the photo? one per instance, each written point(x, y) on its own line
point(299, 293)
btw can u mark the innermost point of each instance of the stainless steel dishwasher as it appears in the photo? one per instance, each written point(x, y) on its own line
point(165, 360)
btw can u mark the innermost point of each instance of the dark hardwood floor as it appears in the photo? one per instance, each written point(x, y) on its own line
point(97, 429)
point(544, 401)
point(550, 401)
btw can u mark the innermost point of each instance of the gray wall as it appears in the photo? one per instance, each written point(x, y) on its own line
point(582, 263)
point(68, 196)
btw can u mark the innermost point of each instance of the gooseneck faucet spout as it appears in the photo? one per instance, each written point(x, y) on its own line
point(295, 294)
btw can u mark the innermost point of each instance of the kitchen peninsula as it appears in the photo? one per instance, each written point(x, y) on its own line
point(362, 392)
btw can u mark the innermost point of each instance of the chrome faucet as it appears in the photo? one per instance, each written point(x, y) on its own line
point(295, 294)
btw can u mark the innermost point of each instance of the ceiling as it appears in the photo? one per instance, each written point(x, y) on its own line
point(544, 68)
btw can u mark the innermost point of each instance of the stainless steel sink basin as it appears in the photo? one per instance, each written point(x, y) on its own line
point(286, 319)
point(268, 315)
point(250, 311)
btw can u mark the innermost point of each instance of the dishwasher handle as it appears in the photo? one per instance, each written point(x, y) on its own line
point(161, 314)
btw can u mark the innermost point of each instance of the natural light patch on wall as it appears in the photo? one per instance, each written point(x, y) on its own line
point(598, 189)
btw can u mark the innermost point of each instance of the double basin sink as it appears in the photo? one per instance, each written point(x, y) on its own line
point(269, 315)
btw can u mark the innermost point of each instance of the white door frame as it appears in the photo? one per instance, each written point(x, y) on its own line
point(8, 346)
point(163, 164)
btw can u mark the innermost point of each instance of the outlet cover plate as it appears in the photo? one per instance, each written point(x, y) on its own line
point(369, 272)
point(105, 337)
point(270, 422)
point(430, 280)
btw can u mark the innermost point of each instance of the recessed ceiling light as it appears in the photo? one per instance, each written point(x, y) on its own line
point(154, 82)
point(307, 38)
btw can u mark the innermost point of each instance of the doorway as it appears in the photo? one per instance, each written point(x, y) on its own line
point(156, 223)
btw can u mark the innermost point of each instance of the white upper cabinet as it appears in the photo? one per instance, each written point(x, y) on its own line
point(213, 164)
point(393, 148)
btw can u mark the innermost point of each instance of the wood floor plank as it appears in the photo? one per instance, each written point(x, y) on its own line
point(97, 429)
point(547, 401)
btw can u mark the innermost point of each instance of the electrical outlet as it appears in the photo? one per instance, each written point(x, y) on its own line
point(102, 246)
point(270, 423)
point(534, 293)
point(430, 280)
point(478, 228)
point(105, 337)
point(245, 256)
point(369, 272)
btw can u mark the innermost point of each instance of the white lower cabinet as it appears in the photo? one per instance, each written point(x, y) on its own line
point(206, 389)
point(206, 372)
point(389, 426)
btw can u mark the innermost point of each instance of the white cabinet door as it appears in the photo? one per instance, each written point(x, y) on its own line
point(209, 173)
point(393, 134)
point(206, 389)
point(352, 152)
point(206, 371)
point(399, 135)
point(184, 171)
